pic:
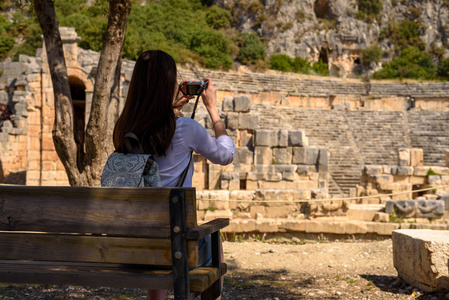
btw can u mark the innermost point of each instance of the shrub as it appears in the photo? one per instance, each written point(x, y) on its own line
point(6, 45)
point(301, 65)
point(369, 8)
point(443, 68)
point(371, 54)
point(411, 63)
point(321, 68)
point(281, 62)
point(218, 17)
point(251, 48)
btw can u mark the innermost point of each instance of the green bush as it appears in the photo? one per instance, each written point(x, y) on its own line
point(443, 68)
point(251, 48)
point(301, 65)
point(371, 54)
point(321, 68)
point(370, 7)
point(6, 45)
point(403, 34)
point(281, 62)
point(218, 17)
point(411, 63)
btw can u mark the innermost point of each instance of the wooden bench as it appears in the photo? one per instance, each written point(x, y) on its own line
point(112, 237)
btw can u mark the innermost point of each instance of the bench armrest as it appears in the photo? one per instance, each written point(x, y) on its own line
point(206, 229)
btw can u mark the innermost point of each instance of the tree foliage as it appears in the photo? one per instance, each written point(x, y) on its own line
point(443, 68)
point(251, 48)
point(285, 63)
point(411, 63)
point(371, 54)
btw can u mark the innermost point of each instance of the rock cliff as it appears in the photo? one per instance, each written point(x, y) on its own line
point(336, 31)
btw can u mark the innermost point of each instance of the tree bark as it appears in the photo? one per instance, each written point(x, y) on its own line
point(85, 169)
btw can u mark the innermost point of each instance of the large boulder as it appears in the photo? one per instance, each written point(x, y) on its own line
point(421, 258)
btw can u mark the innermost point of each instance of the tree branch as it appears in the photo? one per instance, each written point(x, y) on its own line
point(63, 126)
point(96, 140)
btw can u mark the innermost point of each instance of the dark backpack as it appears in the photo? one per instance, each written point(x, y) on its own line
point(131, 170)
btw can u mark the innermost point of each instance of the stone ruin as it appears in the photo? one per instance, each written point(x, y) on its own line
point(301, 144)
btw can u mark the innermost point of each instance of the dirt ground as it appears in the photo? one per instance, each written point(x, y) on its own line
point(293, 270)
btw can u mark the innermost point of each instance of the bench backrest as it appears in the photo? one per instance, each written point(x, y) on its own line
point(90, 224)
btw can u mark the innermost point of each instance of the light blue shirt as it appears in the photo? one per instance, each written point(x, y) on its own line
point(191, 136)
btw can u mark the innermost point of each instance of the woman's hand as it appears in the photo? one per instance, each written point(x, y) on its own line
point(181, 99)
point(209, 95)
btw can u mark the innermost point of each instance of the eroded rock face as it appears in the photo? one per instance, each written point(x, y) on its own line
point(421, 258)
point(330, 30)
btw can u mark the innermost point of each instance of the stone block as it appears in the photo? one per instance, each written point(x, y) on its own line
point(404, 157)
point(421, 171)
point(248, 121)
point(429, 209)
point(305, 155)
point(279, 211)
point(263, 156)
point(445, 199)
point(253, 184)
point(248, 196)
point(282, 155)
point(385, 228)
point(372, 170)
point(282, 138)
point(214, 173)
point(447, 158)
point(440, 170)
point(416, 157)
point(242, 103)
point(415, 208)
point(421, 258)
point(404, 171)
point(257, 209)
point(266, 137)
point(228, 104)
point(274, 176)
point(323, 160)
point(246, 139)
point(243, 156)
point(434, 179)
point(232, 120)
point(297, 138)
point(234, 184)
point(211, 215)
point(302, 170)
point(402, 208)
point(266, 226)
point(381, 217)
point(255, 176)
point(363, 212)
point(236, 226)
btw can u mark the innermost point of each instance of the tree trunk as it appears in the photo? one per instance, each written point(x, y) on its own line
point(85, 168)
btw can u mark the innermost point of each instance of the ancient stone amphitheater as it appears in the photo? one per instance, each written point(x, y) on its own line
point(303, 143)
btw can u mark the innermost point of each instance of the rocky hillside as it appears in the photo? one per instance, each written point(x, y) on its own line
point(336, 31)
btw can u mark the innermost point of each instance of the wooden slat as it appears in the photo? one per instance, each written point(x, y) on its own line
point(73, 248)
point(100, 275)
point(113, 211)
point(207, 228)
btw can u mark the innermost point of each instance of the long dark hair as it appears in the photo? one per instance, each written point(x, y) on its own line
point(148, 111)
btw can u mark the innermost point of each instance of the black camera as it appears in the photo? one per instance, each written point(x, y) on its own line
point(193, 88)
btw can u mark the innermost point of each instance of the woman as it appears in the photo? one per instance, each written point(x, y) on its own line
point(148, 113)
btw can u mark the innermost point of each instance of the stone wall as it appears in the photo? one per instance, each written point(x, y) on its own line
point(408, 175)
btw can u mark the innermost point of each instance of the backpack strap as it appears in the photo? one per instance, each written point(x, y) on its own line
point(183, 175)
point(128, 145)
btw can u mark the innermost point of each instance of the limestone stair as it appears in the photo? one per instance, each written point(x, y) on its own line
point(430, 131)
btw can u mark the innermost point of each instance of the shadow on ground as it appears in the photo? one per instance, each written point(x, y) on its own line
point(396, 285)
